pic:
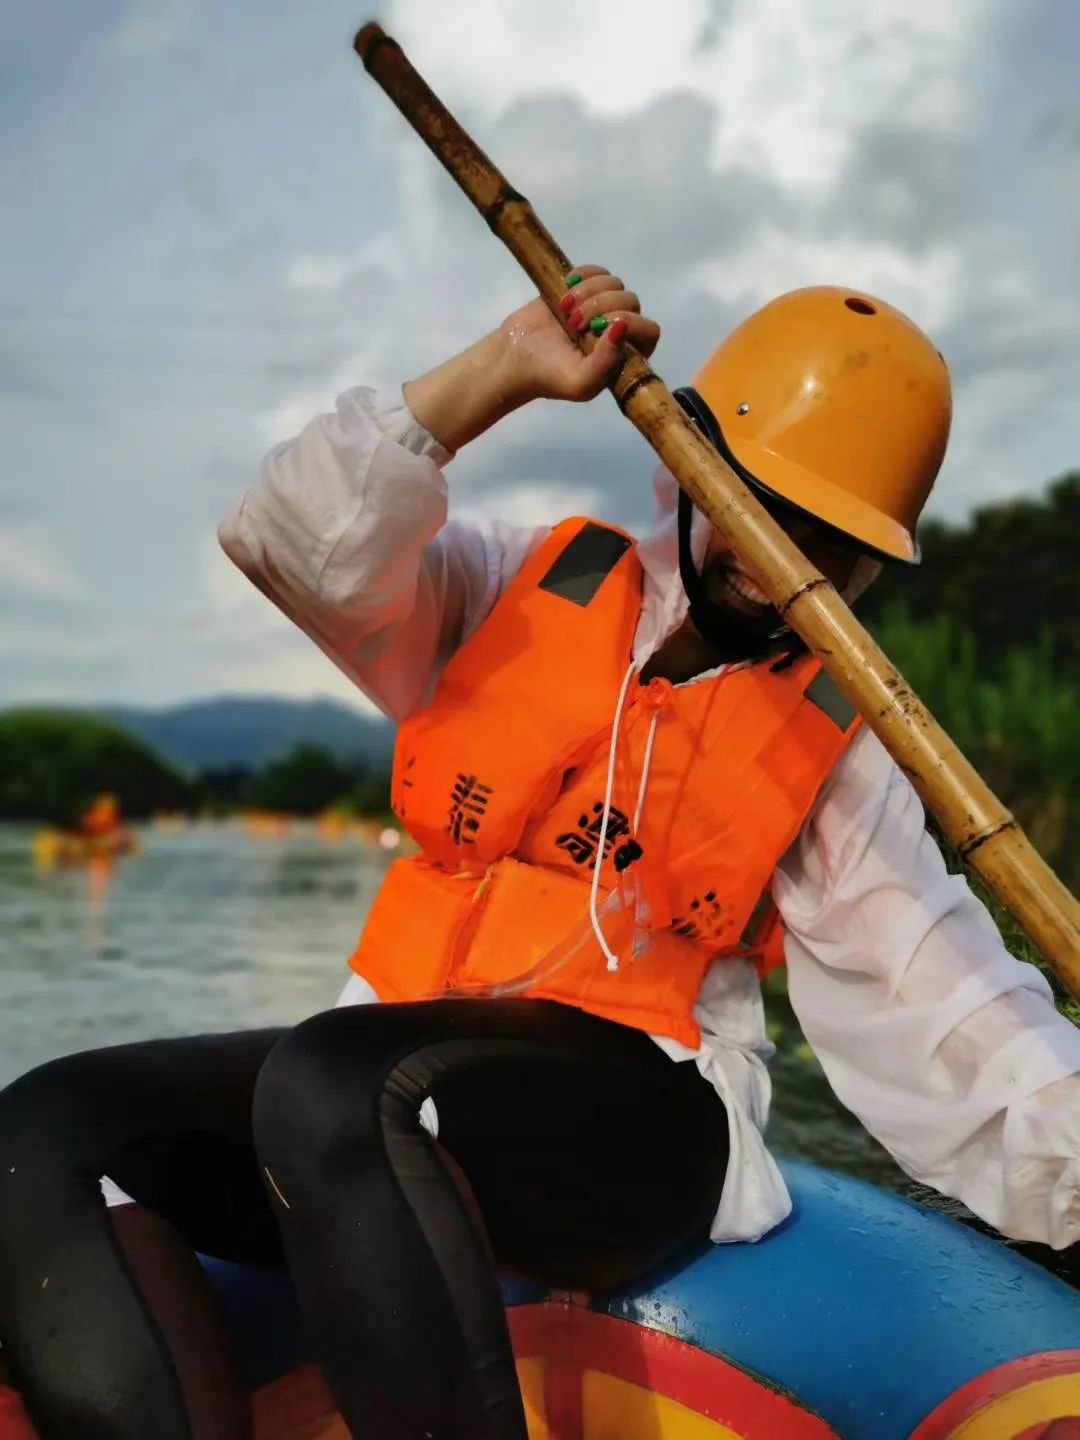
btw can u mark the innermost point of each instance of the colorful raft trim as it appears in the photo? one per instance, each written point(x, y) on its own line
point(1033, 1398)
point(871, 1310)
point(863, 1317)
point(586, 1374)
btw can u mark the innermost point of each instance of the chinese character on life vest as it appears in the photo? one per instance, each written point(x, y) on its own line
point(704, 918)
point(468, 801)
point(581, 844)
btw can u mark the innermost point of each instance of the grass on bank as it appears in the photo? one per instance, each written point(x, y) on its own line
point(1015, 718)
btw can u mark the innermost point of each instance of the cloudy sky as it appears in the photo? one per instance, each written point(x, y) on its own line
point(214, 222)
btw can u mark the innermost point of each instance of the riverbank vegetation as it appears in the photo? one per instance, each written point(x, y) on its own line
point(54, 762)
point(987, 632)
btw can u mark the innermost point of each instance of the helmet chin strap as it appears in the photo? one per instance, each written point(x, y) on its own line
point(701, 612)
point(714, 623)
point(721, 626)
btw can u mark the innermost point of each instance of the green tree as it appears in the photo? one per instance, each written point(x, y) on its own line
point(1017, 726)
point(223, 790)
point(53, 763)
point(304, 782)
point(371, 794)
point(1007, 575)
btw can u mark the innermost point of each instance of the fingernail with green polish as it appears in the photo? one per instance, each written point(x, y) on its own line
point(574, 279)
point(599, 325)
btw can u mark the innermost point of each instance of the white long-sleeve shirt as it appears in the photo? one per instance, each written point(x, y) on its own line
point(949, 1050)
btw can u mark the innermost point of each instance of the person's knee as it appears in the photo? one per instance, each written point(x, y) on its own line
point(47, 1151)
point(316, 1090)
point(45, 1111)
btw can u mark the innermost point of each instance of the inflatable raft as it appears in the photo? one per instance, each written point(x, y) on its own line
point(863, 1317)
point(68, 847)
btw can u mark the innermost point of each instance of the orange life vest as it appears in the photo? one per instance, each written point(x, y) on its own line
point(501, 781)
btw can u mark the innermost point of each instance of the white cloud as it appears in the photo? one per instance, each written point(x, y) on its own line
point(289, 416)
point(497, 51)
point(603, 147)
point(224, 587)
point(924, 286)
point(317, 272)
point(715, 155)
point(148, 27)
point(381, 252)
point(297, 668)
point(258, 650)
point(792, 80)
point(528, 502)
point(33, 563)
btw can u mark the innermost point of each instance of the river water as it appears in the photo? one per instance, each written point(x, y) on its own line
point(209, 928)
point(213, 928)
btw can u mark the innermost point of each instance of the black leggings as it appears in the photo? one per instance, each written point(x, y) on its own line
point(570, 1150)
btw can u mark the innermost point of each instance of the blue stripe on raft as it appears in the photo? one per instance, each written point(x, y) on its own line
point(264, 1321)
point(869, 1309)
point(262, 1318)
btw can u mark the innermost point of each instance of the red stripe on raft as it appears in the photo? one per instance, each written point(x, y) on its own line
point(577, 1339)
point(962, 1404)
point(562, 1368)
point(296, 1406)
point(1067, 1428)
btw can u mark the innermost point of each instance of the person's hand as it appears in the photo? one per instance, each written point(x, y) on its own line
point(531, 357)
point(546, 363)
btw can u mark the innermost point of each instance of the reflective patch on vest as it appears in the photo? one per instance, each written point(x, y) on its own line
point(830, 700)
point(586, 562)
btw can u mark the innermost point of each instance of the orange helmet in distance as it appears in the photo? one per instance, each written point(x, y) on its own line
point(835, 403)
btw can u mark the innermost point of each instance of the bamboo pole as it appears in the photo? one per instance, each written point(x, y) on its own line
point(985, 834)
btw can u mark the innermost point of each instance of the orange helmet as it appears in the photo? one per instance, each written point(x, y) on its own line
point(836, 403)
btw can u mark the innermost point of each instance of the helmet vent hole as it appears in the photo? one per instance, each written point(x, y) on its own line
point(861, 307)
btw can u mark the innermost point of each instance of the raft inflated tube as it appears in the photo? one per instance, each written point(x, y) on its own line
point(862, 1317)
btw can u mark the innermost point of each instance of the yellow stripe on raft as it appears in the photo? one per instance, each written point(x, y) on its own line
point(620, 1410)
point(1014, 1414)
point(299, 1406)
point(530, 1374)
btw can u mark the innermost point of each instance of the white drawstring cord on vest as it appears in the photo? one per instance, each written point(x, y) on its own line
point(641, 909)
point(611, 957)
point(645, 770)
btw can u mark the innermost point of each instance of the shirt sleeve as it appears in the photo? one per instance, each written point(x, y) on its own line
point(950, 1051)
point(346, 531)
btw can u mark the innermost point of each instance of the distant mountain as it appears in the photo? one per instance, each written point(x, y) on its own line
point(253, 730)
